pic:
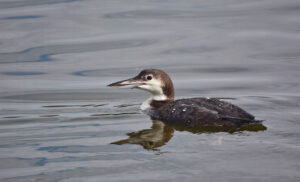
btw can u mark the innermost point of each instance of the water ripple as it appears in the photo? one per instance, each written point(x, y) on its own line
point(22, 73)
point(44, 53)
point(171, 14)
point(22, 17)
point(17, 4)
point(192, 50)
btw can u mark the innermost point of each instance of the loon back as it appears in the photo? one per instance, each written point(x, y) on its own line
point(199, 112)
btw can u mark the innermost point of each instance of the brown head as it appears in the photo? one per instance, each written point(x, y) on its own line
point(155, 81)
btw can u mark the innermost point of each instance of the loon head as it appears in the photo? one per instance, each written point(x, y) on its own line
point(155, 81)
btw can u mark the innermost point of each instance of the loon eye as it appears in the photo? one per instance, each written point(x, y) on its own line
point(149, 77)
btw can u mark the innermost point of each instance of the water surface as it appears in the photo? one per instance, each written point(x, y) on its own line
point(59, 121)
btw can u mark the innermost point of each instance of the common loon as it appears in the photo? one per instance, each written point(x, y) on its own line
point(191, 112)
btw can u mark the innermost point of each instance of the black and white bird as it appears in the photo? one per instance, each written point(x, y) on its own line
point(192, 111)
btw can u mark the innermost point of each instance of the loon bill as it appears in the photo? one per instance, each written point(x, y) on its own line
point(192, 112)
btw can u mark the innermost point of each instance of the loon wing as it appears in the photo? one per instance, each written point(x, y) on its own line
point(203, 111)
point(185, 112)
point(225, 109)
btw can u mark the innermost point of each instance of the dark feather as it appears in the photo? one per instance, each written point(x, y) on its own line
point(200, 111)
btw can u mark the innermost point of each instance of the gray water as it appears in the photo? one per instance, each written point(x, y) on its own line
point(58, 118)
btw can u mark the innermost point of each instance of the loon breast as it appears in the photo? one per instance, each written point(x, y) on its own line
point(199, 112)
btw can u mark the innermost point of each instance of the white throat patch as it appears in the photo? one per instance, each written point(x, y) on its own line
point(155, 88)
point(146, 104)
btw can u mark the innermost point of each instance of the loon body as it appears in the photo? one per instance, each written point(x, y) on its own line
point(191, 112)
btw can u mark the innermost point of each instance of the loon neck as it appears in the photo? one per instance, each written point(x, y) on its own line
point(155, 102)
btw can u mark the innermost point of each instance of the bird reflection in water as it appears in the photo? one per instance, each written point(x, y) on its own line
point(160, 133)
